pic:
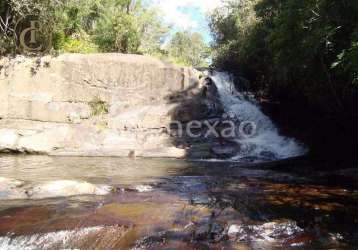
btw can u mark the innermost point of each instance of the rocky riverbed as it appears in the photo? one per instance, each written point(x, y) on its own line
point(112, 203)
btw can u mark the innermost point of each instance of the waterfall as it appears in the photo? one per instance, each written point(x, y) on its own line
point(261, 139)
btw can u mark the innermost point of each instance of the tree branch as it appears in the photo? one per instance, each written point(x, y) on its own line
point(2, 26)
point(5, 24)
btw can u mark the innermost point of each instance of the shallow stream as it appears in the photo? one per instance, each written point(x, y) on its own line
point(175, 204)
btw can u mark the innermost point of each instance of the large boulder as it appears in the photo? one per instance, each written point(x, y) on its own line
point(91, 105)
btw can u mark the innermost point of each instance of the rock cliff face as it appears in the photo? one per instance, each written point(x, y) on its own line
point(92, 105)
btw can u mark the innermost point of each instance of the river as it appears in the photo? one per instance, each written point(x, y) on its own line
point(178, 204)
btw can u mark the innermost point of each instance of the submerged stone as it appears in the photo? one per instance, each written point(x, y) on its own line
point(65, 188)
point(11, 189)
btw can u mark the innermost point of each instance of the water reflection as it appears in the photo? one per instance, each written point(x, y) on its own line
point(99, 170)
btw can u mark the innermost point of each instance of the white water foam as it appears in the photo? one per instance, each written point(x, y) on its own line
point(265, 142)
point(45, 241)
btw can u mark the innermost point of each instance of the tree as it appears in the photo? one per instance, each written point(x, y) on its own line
point(153, 31)
point(237, 38)
point(188, 49)
point(11, 11)
point(117, 28)
point(88, 25)
point(302, 54)
point(306, 48)
point(6, 29)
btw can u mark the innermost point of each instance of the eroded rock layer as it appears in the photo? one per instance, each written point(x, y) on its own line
point(92, 105)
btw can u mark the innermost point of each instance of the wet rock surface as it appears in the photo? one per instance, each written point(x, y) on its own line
point(11, 189)
point(177, 205)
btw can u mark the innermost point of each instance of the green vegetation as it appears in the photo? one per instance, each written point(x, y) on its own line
point(302, 53)
point(89, 26)
point(188, 49)
point(307, 48)
point(98, 107)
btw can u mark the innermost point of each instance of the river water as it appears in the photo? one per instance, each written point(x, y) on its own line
point(177, 204)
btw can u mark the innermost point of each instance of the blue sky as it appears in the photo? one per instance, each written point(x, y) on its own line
point(198, 17)
point(187, 14)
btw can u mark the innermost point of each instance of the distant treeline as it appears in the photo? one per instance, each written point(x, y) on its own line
point(302, 53)
point(89, 26)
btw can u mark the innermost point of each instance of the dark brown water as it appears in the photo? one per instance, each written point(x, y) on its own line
point(175, 204)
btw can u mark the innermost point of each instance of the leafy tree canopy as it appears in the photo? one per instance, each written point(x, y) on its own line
point(87, 26)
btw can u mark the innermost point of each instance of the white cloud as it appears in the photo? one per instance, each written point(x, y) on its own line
point(174, 16)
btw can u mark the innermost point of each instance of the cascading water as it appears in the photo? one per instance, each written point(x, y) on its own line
point(264, 141)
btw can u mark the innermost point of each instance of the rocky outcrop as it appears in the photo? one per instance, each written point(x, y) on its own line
point(92, 105)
